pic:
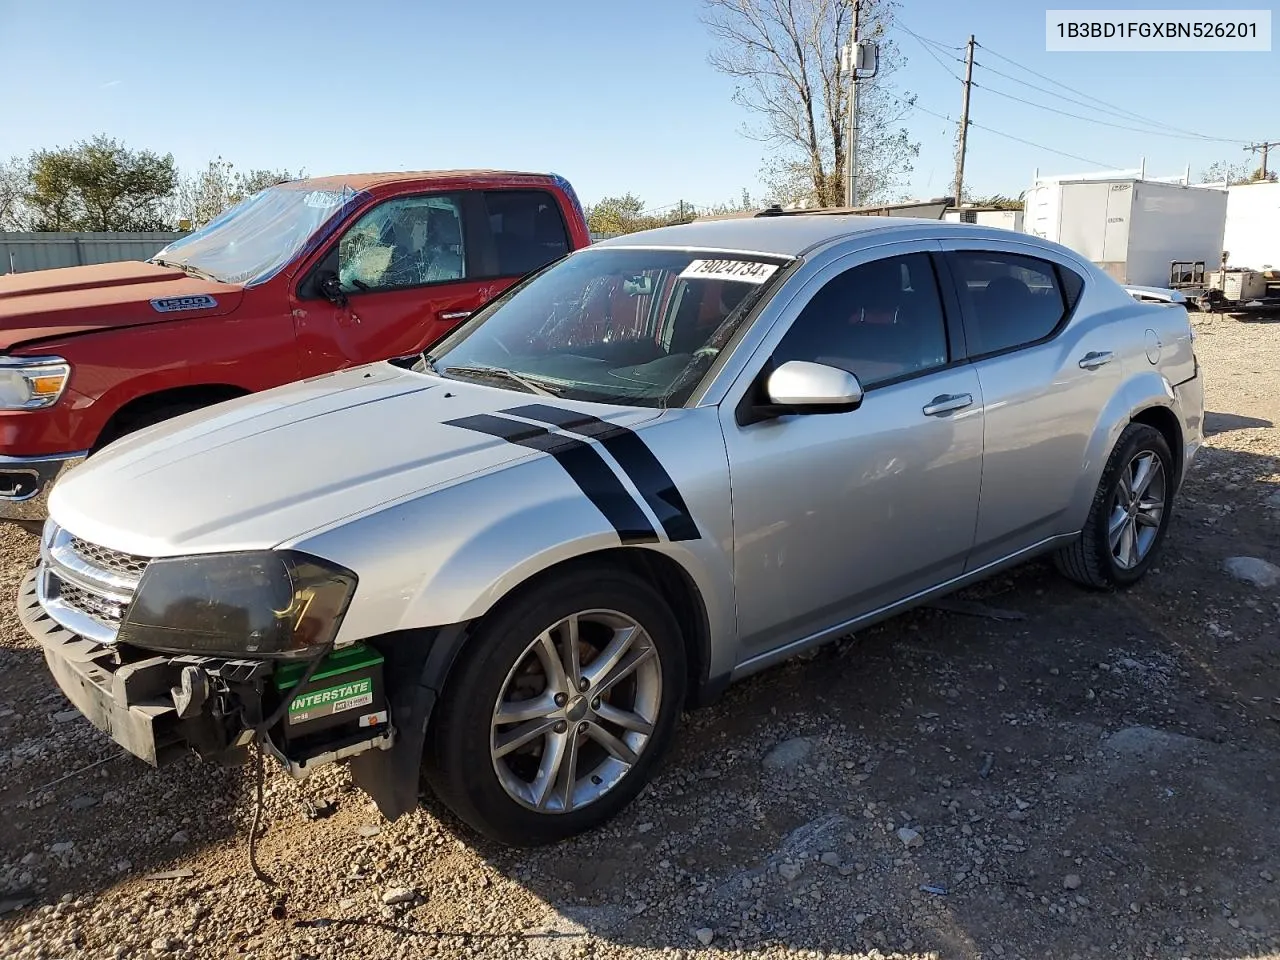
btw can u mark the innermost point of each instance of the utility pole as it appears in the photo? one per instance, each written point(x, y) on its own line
point(851, 152)
point(964, 123)
point(1262, 148)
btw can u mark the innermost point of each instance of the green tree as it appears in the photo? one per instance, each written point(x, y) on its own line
point(99, 184)
point(623, 214)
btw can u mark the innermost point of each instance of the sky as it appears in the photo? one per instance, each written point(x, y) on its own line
point(616, 95)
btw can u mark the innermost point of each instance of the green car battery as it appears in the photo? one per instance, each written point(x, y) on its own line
point(343, 702)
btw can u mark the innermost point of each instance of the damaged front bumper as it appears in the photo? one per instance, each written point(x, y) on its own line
point(160, 707)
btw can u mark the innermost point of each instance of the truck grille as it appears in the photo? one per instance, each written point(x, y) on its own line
point(86, 587)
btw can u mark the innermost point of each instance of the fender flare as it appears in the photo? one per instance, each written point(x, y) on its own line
point(1140, 393)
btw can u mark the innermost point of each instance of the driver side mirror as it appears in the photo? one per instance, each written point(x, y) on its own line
point(802, 386)
point(331, 290)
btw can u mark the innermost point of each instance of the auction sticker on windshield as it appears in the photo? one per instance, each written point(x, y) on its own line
point(744, 271)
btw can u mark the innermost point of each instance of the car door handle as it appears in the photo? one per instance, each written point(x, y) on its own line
point(1096, 359)
point(455, 315)
point(947, 402)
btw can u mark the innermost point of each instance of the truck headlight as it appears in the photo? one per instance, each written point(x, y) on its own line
point(270, 603)
point(28, 383)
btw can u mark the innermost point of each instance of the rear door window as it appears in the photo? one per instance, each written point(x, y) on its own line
point(527, 229)
point(1010, 300)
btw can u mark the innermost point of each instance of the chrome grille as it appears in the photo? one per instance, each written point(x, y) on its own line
point(106, 559)
point(99, 608)
point(85, 587)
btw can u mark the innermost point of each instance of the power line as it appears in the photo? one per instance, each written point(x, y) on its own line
point(1054, 93)
point(937, 59)
point(1075, 116)
point(936, 43)
point(1000, 133)
point(1112, 107)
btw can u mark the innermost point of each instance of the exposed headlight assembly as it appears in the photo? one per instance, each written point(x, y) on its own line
point(29, 383)
point(270, 603)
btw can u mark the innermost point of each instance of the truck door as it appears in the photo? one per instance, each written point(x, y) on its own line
point(414, 267)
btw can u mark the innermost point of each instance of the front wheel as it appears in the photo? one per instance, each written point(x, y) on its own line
point(561, 706)
point(1129, 516)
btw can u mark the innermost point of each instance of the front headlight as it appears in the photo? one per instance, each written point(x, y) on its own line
point(271, 603)
point(28, 383)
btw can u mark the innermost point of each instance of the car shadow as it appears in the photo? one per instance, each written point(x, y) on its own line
point(1215, 423)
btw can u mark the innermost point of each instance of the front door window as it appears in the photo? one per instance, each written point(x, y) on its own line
point(406, 242)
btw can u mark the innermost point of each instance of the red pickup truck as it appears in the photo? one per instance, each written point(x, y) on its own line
point(303, 278)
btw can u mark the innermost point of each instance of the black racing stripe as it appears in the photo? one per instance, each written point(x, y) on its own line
point(633, 455)
point(584, 466)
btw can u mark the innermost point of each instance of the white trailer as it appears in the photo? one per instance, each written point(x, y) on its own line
point(1252, 238)
point(1133, 228)
point(986, 217)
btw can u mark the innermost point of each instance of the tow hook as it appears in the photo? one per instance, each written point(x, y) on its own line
point(192, 692)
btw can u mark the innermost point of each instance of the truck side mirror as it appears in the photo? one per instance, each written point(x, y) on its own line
point(331, 290)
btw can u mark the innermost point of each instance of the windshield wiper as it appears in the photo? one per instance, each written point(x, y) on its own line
point(187, 268)
point(530, 384)
point(191, 271)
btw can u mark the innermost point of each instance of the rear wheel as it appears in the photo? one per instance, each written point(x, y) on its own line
point(560, 709)
point(1129, 516)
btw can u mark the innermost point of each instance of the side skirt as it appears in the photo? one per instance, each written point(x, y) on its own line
point(771, 657)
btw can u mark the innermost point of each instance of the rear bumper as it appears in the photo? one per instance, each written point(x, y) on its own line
point(25, 483)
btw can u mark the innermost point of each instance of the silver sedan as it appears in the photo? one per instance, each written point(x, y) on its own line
point(659, 465)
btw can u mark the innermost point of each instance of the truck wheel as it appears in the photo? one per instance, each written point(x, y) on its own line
point(559, 708)
point(1129, 516)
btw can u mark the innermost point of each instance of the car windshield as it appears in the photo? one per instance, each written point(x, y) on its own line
point(625, 326)
point(253, 240)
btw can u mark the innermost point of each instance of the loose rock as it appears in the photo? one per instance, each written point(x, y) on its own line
point(1253, 570)
point(1072, 881)
point(395, 895)
point(788, 754)
point(705, 935)
point(910, 838)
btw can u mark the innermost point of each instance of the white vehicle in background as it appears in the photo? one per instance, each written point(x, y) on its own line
point(1153, 233)
point(661, 464)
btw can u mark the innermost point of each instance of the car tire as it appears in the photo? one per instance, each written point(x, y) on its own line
point(1123, 534)
point(508, 793)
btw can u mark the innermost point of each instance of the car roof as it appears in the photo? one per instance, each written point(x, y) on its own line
point(365, 181)
point(789, 235)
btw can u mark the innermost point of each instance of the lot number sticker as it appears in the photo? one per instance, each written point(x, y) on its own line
point(744, 271)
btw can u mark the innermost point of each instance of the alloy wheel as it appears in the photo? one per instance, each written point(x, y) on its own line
point(1137, 509)
point(576, 711)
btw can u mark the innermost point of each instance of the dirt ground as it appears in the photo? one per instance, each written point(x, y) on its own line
point(1099, 778)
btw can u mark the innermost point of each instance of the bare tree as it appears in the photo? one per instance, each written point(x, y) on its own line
point(15, 180)
point(200, 197)
point(786, 58)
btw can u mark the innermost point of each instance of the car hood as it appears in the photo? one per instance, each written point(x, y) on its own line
point(104, 296)
point(255, 472)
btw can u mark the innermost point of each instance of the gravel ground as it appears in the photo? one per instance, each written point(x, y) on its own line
point(1098, 777)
